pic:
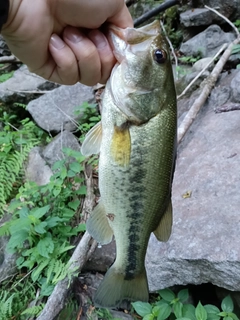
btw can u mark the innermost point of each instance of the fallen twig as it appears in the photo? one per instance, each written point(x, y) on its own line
point(57, 299)
point(9, 59)
point(224, 18)
point(228, 107)
point(210, 82)
point(201, 72)
point(164, 6)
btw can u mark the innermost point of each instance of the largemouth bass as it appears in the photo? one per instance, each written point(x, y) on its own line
point(136, 139)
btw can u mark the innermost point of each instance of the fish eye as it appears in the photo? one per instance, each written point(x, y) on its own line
point(160, 56)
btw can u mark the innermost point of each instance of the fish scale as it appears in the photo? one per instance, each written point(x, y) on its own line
point(137, 143)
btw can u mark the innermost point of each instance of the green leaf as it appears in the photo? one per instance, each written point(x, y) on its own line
point(233, 316)
point(227, 304)
point(142, 308)
point(235, 49)
point(223, 314)
point(40, 212)
point(71, 174)
point(45, 246)
point(81, 227)
point(40, 228)
point(53, 221)
point(76, 167)
point(188, 311)
point(148, 317)
point(167, 295)
point(6, 76)
point(177, 309)
point(17, 240)
point(227, 318)
point(36, 273)
point(74, 204)
point(56, 191)
point(82, 190)
point(162, 312)
point(212, 312)
point(58, 165)
point(183, 295)
point(200, 312)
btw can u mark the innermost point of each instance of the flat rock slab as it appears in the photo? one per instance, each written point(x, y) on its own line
point(205, 243)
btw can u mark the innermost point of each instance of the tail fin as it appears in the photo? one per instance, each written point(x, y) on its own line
point(114, 289)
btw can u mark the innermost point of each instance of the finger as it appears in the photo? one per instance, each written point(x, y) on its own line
point(106, 56)
point(63, 67)
point(86, 54)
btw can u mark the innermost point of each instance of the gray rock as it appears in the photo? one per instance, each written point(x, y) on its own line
point(197, 17)
point(203, 42)
point(7, 260)
point(205, 244)
point(37, 170)
point(102, 258)
point(201, 64)
point(22, 86)
point(54, 111)
point(226, 89)
point(229, 9)
point(121, 315)
point(53, 151)
point(235, 86)
point(4, 50)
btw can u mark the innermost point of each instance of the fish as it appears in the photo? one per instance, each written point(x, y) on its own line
point(136, 142)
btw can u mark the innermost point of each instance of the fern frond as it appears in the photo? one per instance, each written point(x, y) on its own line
point(11, 165)
point(6, 305)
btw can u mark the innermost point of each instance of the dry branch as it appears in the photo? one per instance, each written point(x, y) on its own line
point(224, 18)
point(210, 82)
point(57, 299)
point(202, 71)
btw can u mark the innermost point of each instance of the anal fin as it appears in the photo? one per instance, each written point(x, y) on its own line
point(92, 143)
point(164, 228)
point(97, 225)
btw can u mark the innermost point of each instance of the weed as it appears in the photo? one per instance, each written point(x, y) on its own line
point(172, 306)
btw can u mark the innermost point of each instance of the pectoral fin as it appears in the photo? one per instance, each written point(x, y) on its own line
point(121, 145)
point(91, 144)
point(164, 228)
point(98, 226)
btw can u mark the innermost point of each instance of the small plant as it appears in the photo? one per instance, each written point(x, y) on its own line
point(172, 306)
point(15, 145)
point(6, 76)
point(89, 116)
point(190, 59)
point(43, 222)
point(237, 24)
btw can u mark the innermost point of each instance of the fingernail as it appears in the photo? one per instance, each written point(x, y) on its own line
point(73, 36)
point(57, 42)
point(98, 39)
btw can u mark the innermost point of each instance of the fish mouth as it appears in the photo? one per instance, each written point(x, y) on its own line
point(131, 39)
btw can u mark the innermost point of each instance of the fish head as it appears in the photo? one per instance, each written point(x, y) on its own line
point(142, 79)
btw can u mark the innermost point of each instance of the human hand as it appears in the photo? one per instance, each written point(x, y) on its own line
point(60, 40)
